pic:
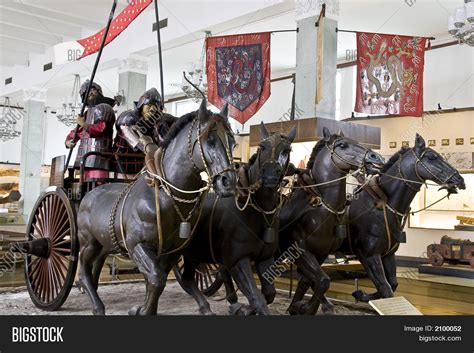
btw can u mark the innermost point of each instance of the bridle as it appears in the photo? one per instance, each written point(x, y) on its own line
point(223, 137)
point(420, 181)
point(317, 199)
point(277, 139)
point(332, 151)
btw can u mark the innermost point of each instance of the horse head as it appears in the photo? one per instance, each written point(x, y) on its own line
point(215, 146)
point(347, 154)
point(430, 165)
point(272, 159)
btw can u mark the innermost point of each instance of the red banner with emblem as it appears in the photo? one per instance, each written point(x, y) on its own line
point(238, 73)
point(390, 74)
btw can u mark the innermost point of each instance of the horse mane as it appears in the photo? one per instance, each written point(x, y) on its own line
point(394, 159)
point(177, 127)
point(319, 145)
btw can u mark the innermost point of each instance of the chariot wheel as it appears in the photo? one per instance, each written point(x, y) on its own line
point(436, 259)
point(51, 249)
point(207, 277)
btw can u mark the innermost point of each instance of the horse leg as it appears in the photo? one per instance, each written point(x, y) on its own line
point(90, 252)
point(327, 306)
point(146, 259)
point(268, 288)
point(97, 268)
point(231, 294)
point(298, 298)
point(390, 267)
point(374, 268)
point(243, 276)
point(189, 284)
point(313, 276)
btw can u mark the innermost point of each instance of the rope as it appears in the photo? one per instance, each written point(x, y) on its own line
point(163, 180)
point(432, 204)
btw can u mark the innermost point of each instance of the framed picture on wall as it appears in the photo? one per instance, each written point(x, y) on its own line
point(459, 141)
point(445, 142)
point(393, 144)
point(432, 143)
point(405, 144)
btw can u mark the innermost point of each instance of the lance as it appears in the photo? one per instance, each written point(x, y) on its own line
point(96, 64)
point(160, 57)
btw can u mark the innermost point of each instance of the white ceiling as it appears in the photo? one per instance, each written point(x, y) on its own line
point(31, 26)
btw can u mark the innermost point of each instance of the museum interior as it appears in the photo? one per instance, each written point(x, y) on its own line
point(386, 209)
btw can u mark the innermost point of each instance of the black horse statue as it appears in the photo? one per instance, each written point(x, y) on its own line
point(378, 215)
point(314, 216)
point(199, 141)
point(235, 232)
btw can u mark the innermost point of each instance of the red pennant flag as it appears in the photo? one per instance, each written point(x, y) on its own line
point(92, 43)
point(75, 50)
point(238, 72)
point(390, 74)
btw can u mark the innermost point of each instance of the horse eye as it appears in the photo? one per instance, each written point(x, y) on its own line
point(342, 145)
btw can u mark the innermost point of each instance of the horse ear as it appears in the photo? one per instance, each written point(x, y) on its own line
point(292, 134)
point(340, 133)
point(264, 134)
point(202, 114)
point(420, 143)
point(225, 110)
point(326, 134)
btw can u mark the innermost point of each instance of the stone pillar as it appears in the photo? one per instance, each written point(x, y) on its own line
point(132, 79)
point(307, 59)
point(32, 147)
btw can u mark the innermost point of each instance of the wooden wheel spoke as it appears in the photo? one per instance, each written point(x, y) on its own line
point(58, 243)
point(61, 274)
point(62, 251)
point(60, 263)
point(65, 230)
point(55, 215)
point(35, 267)
point(204, 274)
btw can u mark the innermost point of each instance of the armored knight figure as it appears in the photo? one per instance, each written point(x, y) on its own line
point(95, 132)
point(139, 127)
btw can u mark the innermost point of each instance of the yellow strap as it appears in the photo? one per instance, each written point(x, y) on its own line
point(387, 229)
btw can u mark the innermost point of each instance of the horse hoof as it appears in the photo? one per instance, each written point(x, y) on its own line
point(80, 287)
point(241, 310)
point(234, 308)
point(232, 298)
point(358, 295)
point(98, 311)
point(328, 309)
point(299, 308)
point(270, 297)
point(136, 310)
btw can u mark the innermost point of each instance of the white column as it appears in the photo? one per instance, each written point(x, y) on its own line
point(307, 14)
point(132, 79)
point(32, 147)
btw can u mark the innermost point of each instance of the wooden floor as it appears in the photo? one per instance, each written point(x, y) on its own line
point(432, 295)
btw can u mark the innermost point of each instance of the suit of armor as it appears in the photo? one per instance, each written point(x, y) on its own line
point(95, 136)
point(132, 124)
